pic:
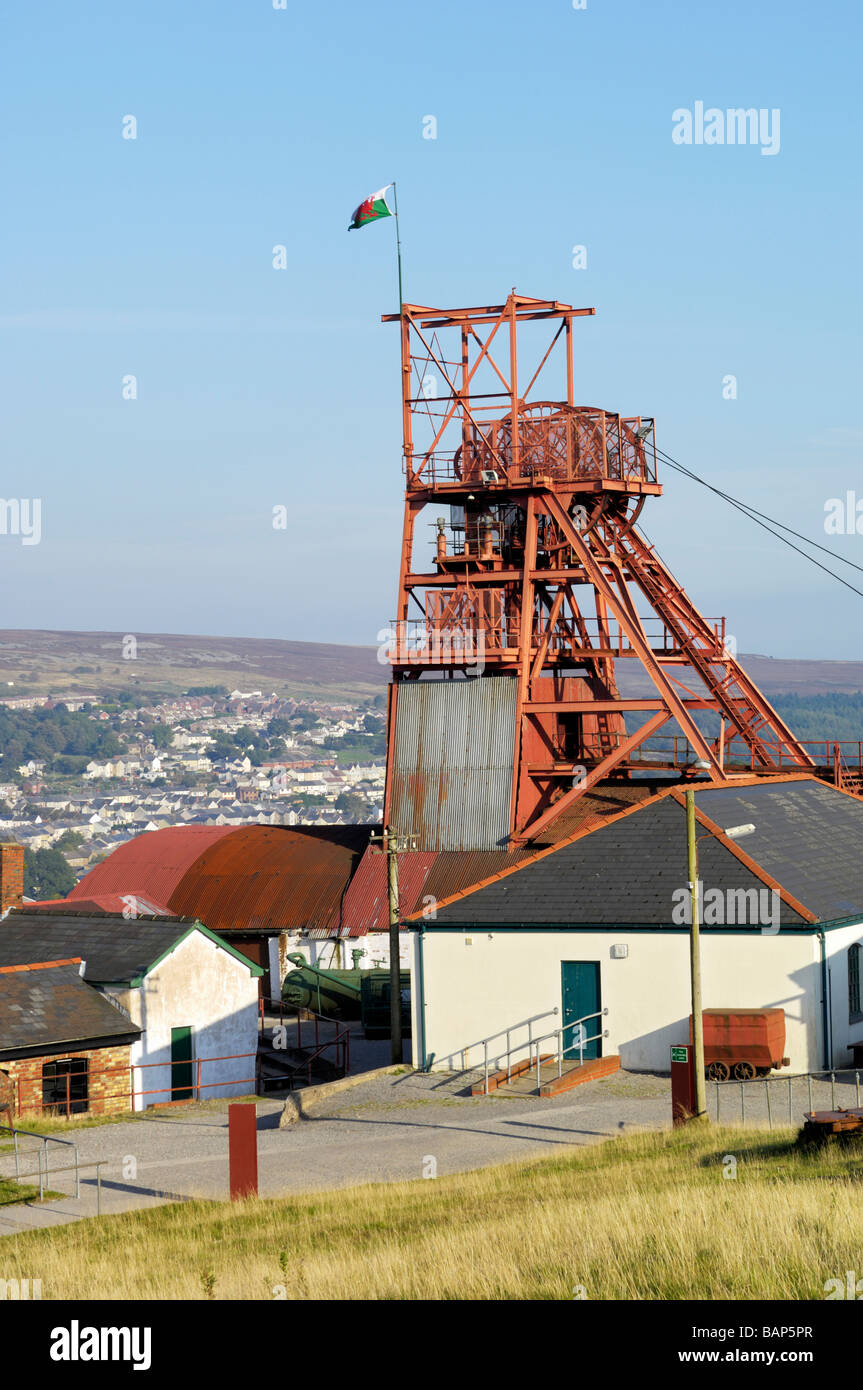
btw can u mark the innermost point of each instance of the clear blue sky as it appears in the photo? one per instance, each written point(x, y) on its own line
point(258, 387)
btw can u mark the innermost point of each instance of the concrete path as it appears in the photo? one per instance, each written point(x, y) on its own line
point(384, 1130)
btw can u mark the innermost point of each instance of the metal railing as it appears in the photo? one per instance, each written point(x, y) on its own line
point(507, 1033)
point(579, 1040)
point(43, 1169)
point(341, 1041)
point(761, 1088)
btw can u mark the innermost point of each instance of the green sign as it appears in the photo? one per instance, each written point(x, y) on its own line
point(680, 1054)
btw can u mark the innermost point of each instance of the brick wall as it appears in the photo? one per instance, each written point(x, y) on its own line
point(11, 876)
point(108, 1081)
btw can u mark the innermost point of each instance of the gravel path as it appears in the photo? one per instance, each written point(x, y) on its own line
point(385, 1129)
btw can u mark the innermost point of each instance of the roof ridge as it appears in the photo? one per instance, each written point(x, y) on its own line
point(40, 965)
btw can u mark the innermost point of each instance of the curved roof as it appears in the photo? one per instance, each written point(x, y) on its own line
point(152, 865)
point(237, 878)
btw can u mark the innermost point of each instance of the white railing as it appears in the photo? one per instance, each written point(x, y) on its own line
point(579, 1039)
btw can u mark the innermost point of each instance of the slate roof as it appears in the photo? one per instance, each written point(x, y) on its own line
point(51, 1006)
point(115, 950)
point(808, 837)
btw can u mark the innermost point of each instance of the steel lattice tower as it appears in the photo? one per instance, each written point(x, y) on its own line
point(540, 577)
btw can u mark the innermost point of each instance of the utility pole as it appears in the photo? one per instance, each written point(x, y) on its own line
point(695, 964)
point(392, 845)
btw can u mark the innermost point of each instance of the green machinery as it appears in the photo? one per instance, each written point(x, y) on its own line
point(342, 994)
point(335, 993)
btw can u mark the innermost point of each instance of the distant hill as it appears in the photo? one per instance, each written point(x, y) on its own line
point(56, 662)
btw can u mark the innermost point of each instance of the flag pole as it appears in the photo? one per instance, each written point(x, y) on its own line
point(398, 243)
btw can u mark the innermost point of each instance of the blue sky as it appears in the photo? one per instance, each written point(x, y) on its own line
point(258, 387)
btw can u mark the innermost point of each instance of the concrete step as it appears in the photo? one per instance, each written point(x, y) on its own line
point(522, 1078)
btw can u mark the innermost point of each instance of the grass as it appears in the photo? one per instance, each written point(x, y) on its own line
point(648, 1216)
point(11, 1192)
point(58, 1125)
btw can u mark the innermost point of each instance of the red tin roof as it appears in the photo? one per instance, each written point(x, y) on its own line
point(152, 865)
point(366, 906)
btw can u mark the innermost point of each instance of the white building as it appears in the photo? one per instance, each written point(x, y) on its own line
point(600, 921)
point(193, 995)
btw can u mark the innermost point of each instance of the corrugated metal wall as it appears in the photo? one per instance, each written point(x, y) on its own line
point(453, 760)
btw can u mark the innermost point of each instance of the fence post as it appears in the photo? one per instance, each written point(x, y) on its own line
point(769, 1111)
point(832, 1090)
point(199, 1078)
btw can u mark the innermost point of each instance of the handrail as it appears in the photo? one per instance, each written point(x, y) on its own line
point(42, 1154)
point(342, 1039)
point(97, 1163)
point(506, 1033)
point(535, 1042)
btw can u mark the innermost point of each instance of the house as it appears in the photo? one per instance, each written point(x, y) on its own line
point(600, 921)
point(62, 1043)
point(188, 1000)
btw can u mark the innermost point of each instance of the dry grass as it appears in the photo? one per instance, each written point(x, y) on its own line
point(644, 1217)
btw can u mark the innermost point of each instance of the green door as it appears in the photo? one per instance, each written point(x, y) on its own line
point(181, 1064)
point(581, 996)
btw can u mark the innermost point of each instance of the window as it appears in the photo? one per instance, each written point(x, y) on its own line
point(854, 1008)
point(64, 1086)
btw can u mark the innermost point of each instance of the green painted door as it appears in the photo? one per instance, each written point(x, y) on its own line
point(181, 1064)
point(581, 996)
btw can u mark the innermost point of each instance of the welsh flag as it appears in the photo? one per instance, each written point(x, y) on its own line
point(374, 207)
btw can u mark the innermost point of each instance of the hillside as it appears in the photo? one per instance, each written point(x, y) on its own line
point(45, 661)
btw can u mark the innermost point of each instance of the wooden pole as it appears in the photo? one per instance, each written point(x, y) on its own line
point(695, 964)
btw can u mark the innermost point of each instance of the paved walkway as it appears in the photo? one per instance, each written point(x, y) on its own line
point(385, 1129)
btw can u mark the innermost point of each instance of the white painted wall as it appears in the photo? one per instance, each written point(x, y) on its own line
point(506, 976)
point(202, 986)
point(843, 1031)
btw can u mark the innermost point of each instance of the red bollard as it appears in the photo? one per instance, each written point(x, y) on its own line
point(682, 1084)
point(243, 1150)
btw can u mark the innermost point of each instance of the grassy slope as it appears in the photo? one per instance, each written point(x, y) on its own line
point(645, 1217)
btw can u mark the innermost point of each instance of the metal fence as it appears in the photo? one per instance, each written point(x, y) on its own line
point(783, 1100)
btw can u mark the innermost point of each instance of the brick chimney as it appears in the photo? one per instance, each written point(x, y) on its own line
point(11, 877)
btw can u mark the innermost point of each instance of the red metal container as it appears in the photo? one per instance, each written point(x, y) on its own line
point(742, 1043)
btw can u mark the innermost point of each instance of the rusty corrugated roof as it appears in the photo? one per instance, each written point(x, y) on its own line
point(606, 799)
point(152, 864)
point(366, 906)
point(272, 877)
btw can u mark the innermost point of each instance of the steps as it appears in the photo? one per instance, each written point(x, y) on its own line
point(522, 1077)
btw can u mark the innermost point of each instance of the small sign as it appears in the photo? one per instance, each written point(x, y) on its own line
point(679, 1054)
